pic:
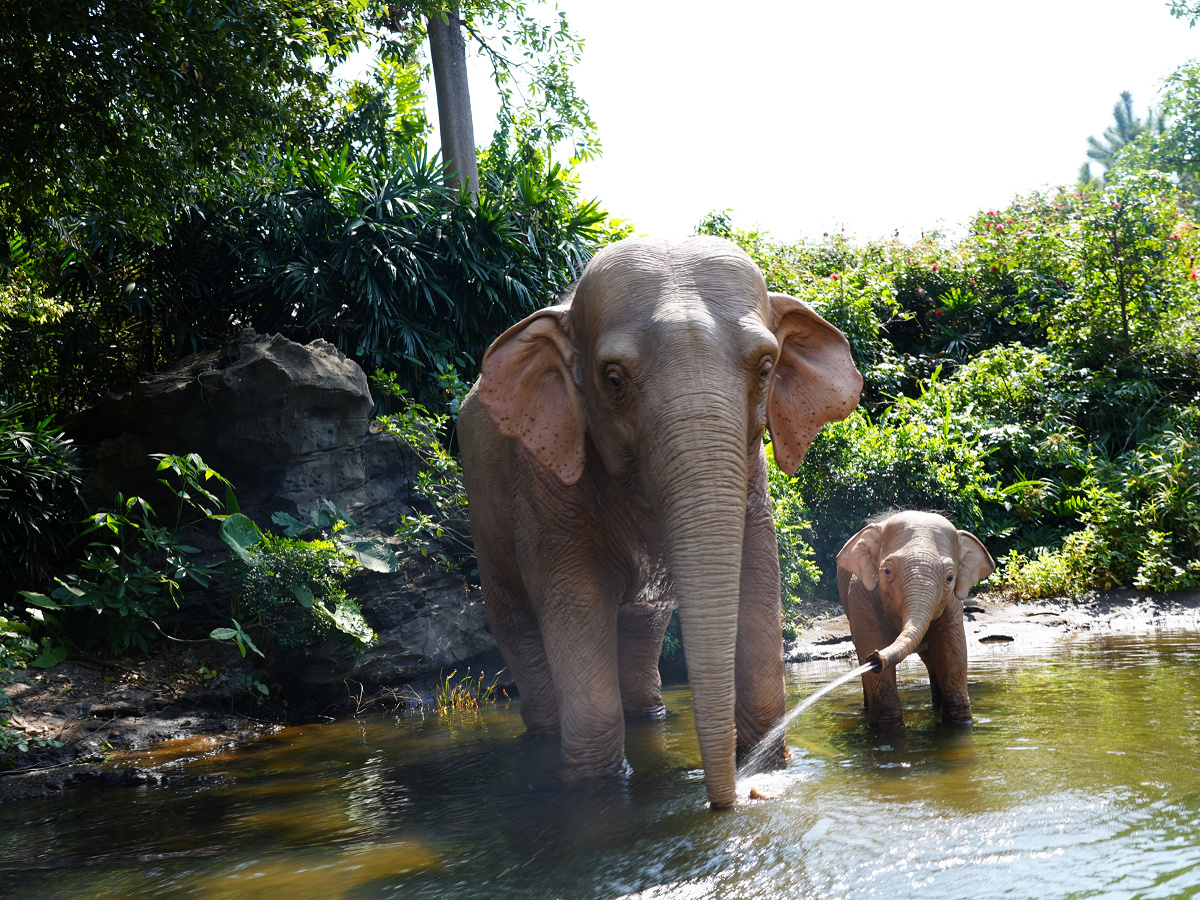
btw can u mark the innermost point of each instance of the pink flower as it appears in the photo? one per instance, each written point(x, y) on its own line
point(937, 312)
point(935, 267)
point(834, 276)
point(1192, 274)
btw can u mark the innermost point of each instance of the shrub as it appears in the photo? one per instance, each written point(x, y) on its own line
point(858, 468)
point(293, 593)
point(39, 496)
point(132, 574)
point(798, 572)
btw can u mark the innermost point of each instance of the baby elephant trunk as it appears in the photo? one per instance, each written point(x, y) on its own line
point(920, 596)
point(899, 649)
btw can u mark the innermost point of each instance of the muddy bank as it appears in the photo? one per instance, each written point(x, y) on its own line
point(104, 711)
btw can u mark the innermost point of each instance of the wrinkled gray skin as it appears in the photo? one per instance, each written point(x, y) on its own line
point(902, 582)
point(613, 456)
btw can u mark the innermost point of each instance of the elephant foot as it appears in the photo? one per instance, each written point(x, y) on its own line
point(589, 775)
point(959, 716)
point(887, 724)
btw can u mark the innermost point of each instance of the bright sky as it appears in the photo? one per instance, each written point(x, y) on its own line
point(873, 115)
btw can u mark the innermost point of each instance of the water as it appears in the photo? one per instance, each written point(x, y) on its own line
point(1080, 778)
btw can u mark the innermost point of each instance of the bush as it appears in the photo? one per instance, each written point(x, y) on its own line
point(858, 468)
point(39, 499)
point(1141, 524)
point(291, 592)
point(133, 573)
point(799, 574)
point(382, 260)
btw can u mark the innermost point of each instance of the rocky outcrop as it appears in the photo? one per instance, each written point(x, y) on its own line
point(289, 426)
point(424, 620)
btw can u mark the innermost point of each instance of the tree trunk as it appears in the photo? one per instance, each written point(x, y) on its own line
point(448, 53)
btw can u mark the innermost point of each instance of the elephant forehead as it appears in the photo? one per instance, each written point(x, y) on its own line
point(703, 280)
point(912, 528)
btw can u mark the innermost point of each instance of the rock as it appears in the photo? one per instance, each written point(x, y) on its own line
point(427, 620)
point(287, 424)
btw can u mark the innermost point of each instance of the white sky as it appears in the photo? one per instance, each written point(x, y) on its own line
point(871, 115)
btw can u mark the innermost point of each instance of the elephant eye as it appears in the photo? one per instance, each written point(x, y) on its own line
point(615, 379)
point(887, 570)
point(949, 578)
point(765, 371)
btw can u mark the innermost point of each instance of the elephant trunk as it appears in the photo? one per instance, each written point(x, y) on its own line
point(700, 492)
point(919, 598)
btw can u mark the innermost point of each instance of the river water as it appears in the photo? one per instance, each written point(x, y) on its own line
point(1080, 777)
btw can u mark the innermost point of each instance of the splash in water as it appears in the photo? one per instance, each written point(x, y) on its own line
point(752, 762)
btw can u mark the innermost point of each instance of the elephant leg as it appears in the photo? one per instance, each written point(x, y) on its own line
point(945, 655)
point(761, 701)
point(935, 689)
point(640, 630)
point(581, 646)
point(880, 693)
point(516, 631)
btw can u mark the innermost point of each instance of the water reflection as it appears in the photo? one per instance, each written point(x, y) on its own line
point(1080, 777)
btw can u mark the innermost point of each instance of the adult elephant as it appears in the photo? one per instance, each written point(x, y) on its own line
point(613, 456)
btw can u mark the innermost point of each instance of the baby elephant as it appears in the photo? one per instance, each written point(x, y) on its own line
point(903, 581)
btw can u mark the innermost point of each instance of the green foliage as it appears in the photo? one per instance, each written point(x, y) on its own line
point(291, 591)
point(377, 257)
point(326, 521)
point(467, 694)
point(1035, 381)
point(128, 108)
point(439, 482)
point(39, 493)
point(798, 571)
point(133, 572)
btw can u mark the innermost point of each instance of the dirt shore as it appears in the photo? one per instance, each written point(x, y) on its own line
point(103, 710)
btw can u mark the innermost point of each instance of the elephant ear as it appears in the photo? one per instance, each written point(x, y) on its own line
point(860, 556)
point(815, 380)
point(528, 388)
point(974, 564)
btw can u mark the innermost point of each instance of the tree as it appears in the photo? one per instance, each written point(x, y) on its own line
point(1125, 129)
point(124, 110)
point(448, 55)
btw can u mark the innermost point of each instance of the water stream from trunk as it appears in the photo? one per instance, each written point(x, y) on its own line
point(752, 763)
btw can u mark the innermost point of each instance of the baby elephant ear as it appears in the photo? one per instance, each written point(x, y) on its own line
point(860, 556)
point(528, 388)
point(814, 382)
point(974, 564)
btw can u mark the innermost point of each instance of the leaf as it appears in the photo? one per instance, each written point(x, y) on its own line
point(223, 634)
point(40, 600)
point(304, 594)
point(373, 555)
point(51, 655)
point(292, 527)
point(241, 534)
